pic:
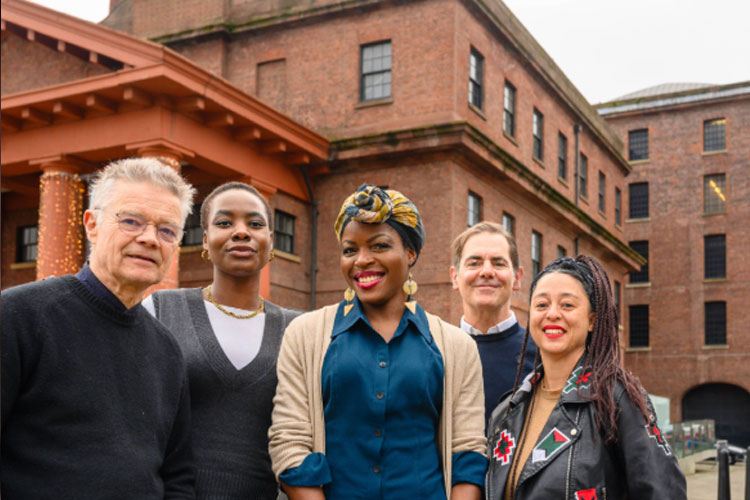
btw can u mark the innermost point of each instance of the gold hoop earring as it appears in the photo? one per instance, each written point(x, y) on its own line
point(410, 288)
point(205, 256)
point(272, 255)
point(349, 296)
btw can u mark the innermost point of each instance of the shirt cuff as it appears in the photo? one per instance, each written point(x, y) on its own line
point(469, 467)
point(313, 471)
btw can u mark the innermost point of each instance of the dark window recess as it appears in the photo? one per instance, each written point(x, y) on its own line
point(714, 134)
point(618, 206)
point(193, 234)
point(715, 256)
point(638, 200)
point(716, 323)
point(602, 187)
point(618, 297)
point(583, 176)
point(509, 110)
point(638, 326)
point(562, 156)
point(474, 213)
point(642, 248)
point(509, 223)
point(714, 193)
point(375, 77)
point(476, 63)
point(638, 145)
point(536, 253)
point(538, 134)
point(27, 241)
point(283, 233)
point(561, 251)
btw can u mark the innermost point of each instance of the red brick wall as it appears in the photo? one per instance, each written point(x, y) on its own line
point(678, 359)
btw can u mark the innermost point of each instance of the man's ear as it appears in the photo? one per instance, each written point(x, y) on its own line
point(91, 225)
point(517, 279)
point(454, 277)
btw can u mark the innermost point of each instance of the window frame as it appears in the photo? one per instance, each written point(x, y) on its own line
point(638, 154)
point(24, 248)
point(718, 192)
point(583, 177)
point(562, 156)
point(193, 227)
point(476, 88)
point(713, 310)
point(475, 200)
point(714, 256)
point(536, 253)
point(510, 226)
point(537, 129)
point(642, 275)
point(618, 206)
point(509, 114)
point(636, 204)
point(364, 75)
point(707, 138)
point(602, 192)
point(644, 325)
point(280, 233)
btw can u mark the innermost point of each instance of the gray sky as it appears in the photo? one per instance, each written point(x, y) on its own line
point(609, 48)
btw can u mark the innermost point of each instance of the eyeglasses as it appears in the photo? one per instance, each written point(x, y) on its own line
point(136, 225)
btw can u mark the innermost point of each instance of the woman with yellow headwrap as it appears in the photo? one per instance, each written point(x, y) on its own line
point(378, 399)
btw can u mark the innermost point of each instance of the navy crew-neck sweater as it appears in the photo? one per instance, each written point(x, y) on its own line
point(95, 400)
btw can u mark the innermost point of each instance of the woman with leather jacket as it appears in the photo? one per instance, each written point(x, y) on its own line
point(580, 426)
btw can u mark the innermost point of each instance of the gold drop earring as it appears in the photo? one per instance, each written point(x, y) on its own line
point(349, 296)
point(410, 288)
point(205, 256)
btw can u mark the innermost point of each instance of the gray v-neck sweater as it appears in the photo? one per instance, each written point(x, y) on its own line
point(231, 408)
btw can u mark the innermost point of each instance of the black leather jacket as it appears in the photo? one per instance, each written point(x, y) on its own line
point(570, 460)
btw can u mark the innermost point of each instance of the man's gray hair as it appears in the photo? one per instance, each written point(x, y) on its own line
point(140, 170)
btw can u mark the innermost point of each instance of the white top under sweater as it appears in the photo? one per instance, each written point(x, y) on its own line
point(240, 339)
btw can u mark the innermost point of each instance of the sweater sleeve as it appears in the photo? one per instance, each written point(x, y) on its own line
point(177, 470)
point(291, 433)
point(468, 402)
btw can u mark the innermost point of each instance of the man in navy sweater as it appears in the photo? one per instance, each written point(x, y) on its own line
point(485, 272)
point(95, 402)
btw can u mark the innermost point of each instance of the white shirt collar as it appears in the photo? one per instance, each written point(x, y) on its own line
point(502, 326)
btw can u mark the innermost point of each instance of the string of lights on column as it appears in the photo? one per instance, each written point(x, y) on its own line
point(66, 204)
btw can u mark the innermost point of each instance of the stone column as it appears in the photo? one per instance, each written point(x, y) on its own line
point(60, 249)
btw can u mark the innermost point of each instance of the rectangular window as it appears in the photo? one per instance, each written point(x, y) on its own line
point(583, 174)
point(509, 223)
point(618, 206)
point(714, 197)
point(375, 71)
point(715, 256)
point(602, 187)
point(536, 253)
point(642, 248)
point(193, 233)
point(716, 323)
point(283, 232)
point(561, 252)
point(638, 144)
point(562, 156)
point(714, 134)
point(26, 242)
point(476, 63)
point(474, 214)
point(638, 326)
point(638, 200)
point(509, 110)
point(618, 297)
point(538, 134)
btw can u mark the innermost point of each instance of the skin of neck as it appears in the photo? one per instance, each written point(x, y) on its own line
point(386, 317)
point(484, 318)
point(129, 295)
point(242, 292)
point(557, 369)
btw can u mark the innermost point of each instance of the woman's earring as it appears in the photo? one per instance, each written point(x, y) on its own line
point(273, 255)
point(349, 296)
point(205, 256)
point(410, 288)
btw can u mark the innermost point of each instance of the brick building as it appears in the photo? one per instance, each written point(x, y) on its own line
point(689, 215)
point(450, 101)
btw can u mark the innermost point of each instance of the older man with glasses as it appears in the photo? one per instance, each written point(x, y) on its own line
point(95, 402)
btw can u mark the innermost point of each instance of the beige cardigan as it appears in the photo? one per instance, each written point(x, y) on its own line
point(298, 427)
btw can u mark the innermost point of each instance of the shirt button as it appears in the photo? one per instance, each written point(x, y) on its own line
point(379, 395)
point(382, 364)
point(378, 433)
point(573, 432)
point(376, 469)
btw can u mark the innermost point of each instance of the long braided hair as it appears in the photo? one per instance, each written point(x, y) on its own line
point(603, 357)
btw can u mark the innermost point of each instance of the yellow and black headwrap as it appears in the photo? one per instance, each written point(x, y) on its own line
point(371, 205)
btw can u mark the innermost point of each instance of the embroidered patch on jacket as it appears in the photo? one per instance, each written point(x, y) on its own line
point(548, 446)
point(577, 380)
point(504, 448)
point(586, 494)
point(654, 433)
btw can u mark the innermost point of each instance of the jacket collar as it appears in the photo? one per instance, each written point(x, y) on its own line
point(343, 324)
point(577, 388)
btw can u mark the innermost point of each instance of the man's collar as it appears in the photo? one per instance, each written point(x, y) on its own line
point(343, 324)
point(500, 327)
point(94, 284)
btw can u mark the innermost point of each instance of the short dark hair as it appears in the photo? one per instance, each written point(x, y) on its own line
point(484, 227)
point(228, 186)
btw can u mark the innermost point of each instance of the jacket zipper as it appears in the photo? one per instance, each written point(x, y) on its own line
point(570, 460)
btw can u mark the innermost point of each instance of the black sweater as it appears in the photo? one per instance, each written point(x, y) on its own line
point(95, 401)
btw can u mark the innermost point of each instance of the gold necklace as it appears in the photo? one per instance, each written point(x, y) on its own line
point(230, 313)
